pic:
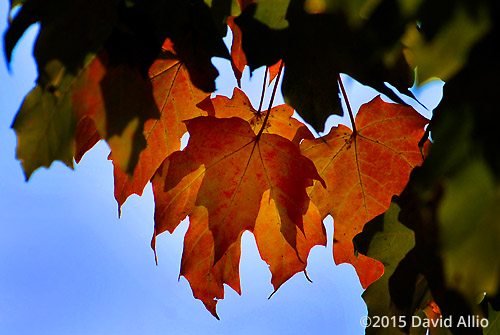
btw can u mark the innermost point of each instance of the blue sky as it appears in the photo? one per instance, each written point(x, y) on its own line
point(69, 265)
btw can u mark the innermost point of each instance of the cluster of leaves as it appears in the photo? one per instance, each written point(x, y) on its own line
point(139, 75)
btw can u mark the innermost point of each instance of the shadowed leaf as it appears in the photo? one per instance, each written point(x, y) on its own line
point(120, 117)
point(389, 245)
point(176, 98)
point(40, 145)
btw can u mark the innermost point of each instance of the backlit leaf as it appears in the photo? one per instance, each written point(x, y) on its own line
point(283, 259)
point(39, 146)
point(205, 277)
point(226, 169)
point(176, 98)
point(120, 118)
point(280, 119)
point(363, 171)
point(238, 58)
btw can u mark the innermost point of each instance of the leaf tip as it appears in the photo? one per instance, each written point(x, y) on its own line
point(153, 246)
point(270, 296)
point(307, 277)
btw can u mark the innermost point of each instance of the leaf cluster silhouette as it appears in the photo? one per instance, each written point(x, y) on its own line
point(422, 234)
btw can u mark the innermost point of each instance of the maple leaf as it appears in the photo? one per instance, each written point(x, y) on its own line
point(40, 146)
point(363, 170)
point(118, 100)
point(176, 98)
point(206, 278)
point(280, 118)
point(69, 32)
point(91, 58)
point(191, 27)
point(226, 169)
point(45, 124)
point(337, 47)
point(386, 239)
point(238, 58)
point(283, 259)
point(80, 100)
point(388, 242)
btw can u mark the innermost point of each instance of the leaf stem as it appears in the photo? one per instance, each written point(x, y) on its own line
point(271, 101)
point(263, 90)
point(344, 94)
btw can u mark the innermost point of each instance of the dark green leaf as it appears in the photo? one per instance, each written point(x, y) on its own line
point(388, 241)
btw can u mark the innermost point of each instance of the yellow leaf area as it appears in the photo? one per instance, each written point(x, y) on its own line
point(229, 180)
point(362, 171)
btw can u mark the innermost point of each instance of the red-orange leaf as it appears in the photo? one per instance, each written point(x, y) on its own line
point(280, 119)
point(285, 261)
point(205, 278)
point(363, 171)
point(172, 206)
point(238, 57)
point(226, 169)
point(120, 117)
point(176, 98)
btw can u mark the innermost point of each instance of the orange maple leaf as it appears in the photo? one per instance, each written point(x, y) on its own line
point(120, 118)
point(205, 278)
point(284, 260)
point(280, 120)
point(176, 98)
point(226, 169)
point(363, 170)
point(238, 58)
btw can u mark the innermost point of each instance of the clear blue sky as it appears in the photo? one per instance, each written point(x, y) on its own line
point(68, 265)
